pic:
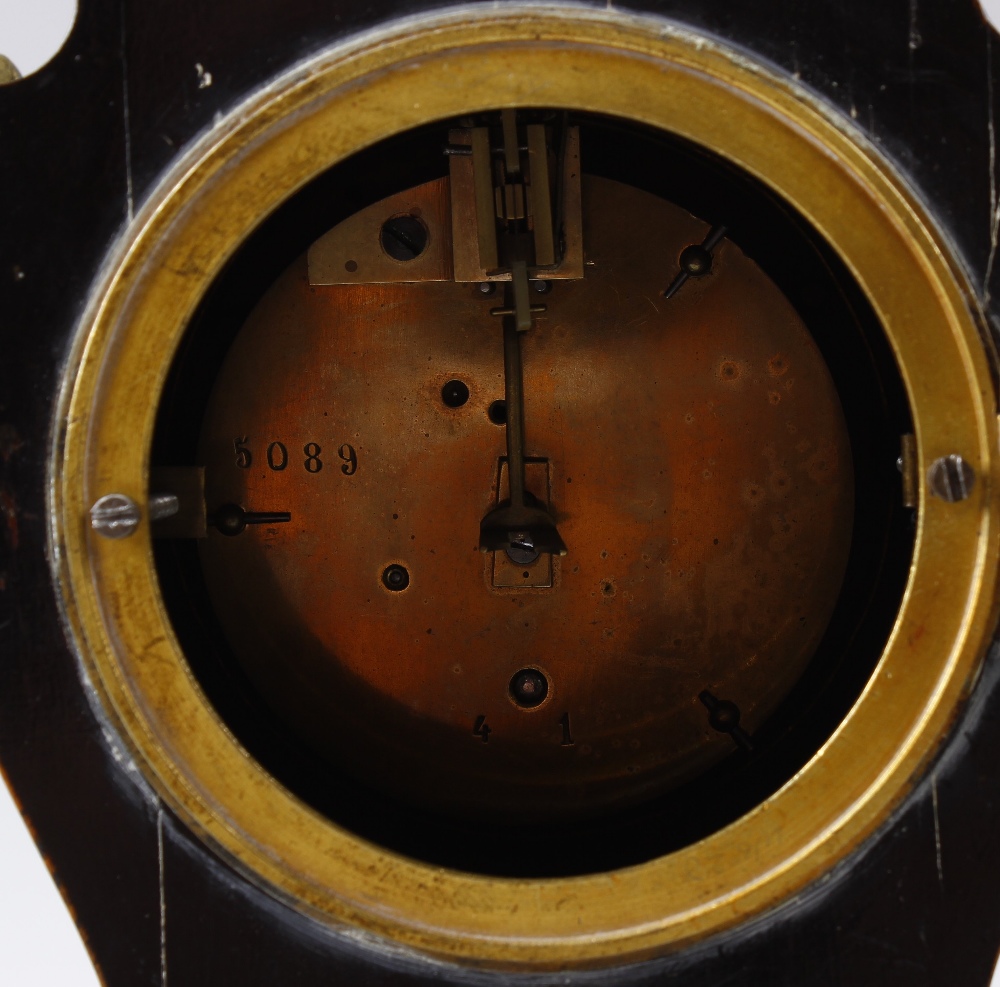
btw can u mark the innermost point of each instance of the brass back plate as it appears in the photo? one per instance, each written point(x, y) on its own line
point(697, 461)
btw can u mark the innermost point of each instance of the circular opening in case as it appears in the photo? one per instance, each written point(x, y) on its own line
point(729, 777)
point(718, 442)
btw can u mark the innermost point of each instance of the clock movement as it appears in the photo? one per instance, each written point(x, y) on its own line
point(512, 495)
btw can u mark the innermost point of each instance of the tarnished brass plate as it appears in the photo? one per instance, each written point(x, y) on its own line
point(351, 253)
point(699, 468)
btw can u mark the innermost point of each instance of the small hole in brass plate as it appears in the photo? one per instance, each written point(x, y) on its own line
point(403, 237)
point(528, 688)
point(497, 413)
point(455, 393)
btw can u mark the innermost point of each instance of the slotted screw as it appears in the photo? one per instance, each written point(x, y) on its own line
point(951, 478)
point(115, 516)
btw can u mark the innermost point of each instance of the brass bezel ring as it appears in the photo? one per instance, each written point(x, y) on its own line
point(409, 73)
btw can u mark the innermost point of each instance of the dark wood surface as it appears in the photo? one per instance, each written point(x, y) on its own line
point(920, 904)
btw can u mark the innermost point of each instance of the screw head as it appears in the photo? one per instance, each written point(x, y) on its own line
point(487, 288)
point(521, 549)
point(951, 478)
point(115, 516)
point(403, 237)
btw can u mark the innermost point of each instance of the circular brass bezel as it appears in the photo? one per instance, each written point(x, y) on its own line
point(348, 99)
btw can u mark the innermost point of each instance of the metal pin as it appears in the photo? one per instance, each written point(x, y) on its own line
point(231, 519)
point(696, 260)
point(509, 311)
point(724, 716)
point(162, 506)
